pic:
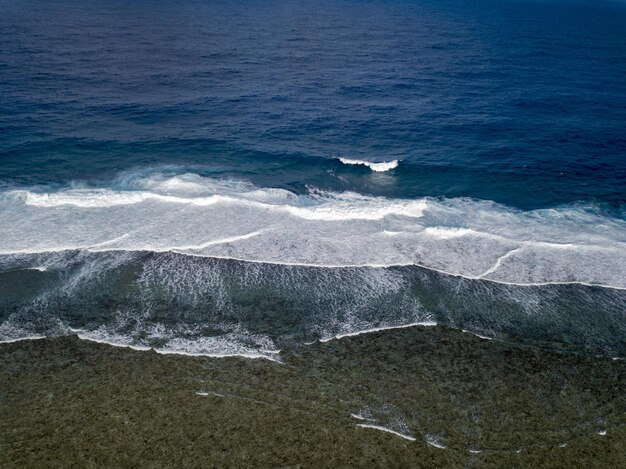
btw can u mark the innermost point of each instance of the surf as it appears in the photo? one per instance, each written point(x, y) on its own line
point(175, 302)
point(234, 219)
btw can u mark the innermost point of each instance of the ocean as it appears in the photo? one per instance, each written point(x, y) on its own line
point(237, 178)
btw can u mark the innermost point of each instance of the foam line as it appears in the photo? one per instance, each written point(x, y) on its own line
point(105, 198)
point(385, 429)
point(497, 264)
point(311, 265)
point(477, 335)
point(221, 355)
point(231, 239)
point(377, 329)
point(433, 442)
point(19, 339)
point(81, 335)
point(109, 242)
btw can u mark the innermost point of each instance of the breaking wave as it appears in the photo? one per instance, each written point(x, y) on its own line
point(191, 264)
point(203, 216)
point(378, 167)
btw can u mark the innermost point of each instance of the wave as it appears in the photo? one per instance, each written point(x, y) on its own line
point(177, 303)
point(346, 206)
point(378, 167)
point(203, 216)
point(228, 345)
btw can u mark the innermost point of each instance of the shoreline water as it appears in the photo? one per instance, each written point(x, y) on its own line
point(176, 302)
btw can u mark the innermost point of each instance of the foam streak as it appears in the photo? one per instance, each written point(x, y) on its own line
point(385, 429)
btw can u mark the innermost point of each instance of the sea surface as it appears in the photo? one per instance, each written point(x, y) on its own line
point(223, 178)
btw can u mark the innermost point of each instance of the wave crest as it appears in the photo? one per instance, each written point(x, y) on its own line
point(378, 167)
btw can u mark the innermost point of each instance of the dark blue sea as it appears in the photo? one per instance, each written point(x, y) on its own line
point(232, 177)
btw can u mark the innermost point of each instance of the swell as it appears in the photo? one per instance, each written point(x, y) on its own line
point(522, 184)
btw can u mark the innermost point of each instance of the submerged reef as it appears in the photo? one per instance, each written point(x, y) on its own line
point(410, 397)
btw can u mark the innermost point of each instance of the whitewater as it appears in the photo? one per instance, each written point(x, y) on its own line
point(227, 218)
point(380, 167)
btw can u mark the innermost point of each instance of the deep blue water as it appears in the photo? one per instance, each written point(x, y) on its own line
point(521, 102)
point(171, 173)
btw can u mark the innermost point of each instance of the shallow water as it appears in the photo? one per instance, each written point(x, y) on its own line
point(192, 304)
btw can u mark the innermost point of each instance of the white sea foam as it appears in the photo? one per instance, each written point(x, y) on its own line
point(378, 167)
point(10, 333)
point(202, 216)
point(484, 337)
point(98, 337)
point(378, 329)
point(19, 339)
point(433, 441)
point(385, 429)
point(226, 345)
